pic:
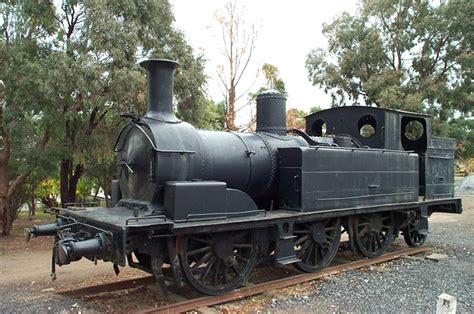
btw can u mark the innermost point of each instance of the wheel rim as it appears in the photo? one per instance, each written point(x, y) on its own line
point(220, 262)
point(373, 233)
point(316, 243)
point(412, 234)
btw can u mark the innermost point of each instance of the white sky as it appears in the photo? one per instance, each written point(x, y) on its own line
point(287, 32)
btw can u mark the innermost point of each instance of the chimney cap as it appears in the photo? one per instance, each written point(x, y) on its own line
point(271, 93)
point(148, 63)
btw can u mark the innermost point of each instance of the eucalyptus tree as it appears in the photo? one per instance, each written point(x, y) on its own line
point(411, 55)
point(96, 50)
point(25, 29)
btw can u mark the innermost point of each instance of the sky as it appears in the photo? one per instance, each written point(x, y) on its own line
point(287, 32)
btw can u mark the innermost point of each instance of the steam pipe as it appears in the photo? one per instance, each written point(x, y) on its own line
point(160, 89)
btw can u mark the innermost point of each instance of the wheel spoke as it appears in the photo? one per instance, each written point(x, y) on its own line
point(305, 246)
point(301, 240)
point(207, 270)
point(308, 254)
point(240, 257)
point(224, 274)
point(236, 270)
point(215, 275)
point(203, 260)
point(198, 251)
point(377, 238)
point(364, 230)
point(317, 249)
point(374, 243)
point(369, 242)
point(300, 231)
point(321, 250)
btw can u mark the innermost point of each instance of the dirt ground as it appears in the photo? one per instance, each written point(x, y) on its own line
point(25, 268)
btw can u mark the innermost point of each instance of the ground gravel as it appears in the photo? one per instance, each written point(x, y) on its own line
point(405, 285)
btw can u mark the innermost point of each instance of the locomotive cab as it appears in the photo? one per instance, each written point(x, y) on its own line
point(398, 131)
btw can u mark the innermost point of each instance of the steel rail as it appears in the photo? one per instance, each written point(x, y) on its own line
point(193, 304)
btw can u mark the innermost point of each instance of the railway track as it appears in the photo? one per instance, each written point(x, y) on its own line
point(199, 302)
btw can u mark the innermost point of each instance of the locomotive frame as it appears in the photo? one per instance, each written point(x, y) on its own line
point(211, 212)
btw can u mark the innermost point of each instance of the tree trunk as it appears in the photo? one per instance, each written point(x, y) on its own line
point(69, 180)
point(230, 116)
point(107, 192)
point(6, 219)
point(4, 208)
point(4, 182)
point(33, 199)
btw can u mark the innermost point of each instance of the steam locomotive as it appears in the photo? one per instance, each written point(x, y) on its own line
point(210, 204)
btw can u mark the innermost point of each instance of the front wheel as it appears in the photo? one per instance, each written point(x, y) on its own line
point(217, 263)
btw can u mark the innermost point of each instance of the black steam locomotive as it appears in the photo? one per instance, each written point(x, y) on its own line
point(211, 204)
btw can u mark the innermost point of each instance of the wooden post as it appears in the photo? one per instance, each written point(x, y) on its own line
point(446, 304)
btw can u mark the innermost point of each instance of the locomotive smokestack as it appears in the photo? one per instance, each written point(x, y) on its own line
point(160, 89)
point(271, 112)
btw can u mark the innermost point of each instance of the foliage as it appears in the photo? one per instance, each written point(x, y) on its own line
point(314, 109)
point(462, 130)
point(410, 55)
point(214, 117)
point(295, 119)
point(70, 68)
point(24, 131)
point(47, 191)
point(92, 53)
point(86, 187)
point(272, 75)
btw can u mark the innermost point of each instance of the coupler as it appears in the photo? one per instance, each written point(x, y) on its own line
point(70, 249)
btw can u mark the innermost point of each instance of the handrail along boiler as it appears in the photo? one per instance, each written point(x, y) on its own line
point(211, 204)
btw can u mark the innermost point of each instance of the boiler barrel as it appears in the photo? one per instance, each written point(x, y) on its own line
point(246, 161)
